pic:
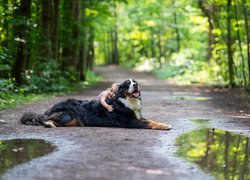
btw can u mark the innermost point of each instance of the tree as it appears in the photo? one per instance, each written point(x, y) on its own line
point(75, 32)
point(177, 32)
point(46, 29)
point(229, 46)
point(240, 43)
point(22, 14)
point(209, 12)
point(244, 5)
point(55, 30)
point(6, 22)
point(115, 53)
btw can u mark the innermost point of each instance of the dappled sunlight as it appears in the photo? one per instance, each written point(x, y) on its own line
point(145, 65)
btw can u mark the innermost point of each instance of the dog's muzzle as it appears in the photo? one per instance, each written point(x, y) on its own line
point(134, 91)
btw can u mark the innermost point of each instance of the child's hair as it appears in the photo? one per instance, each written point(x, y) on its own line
point(117, 83)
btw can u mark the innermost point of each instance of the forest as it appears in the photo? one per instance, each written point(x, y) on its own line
point(52, 45)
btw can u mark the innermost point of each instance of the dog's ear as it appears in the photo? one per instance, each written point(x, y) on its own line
point(121, 91)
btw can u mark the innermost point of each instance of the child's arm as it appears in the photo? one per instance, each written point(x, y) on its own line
point(103, 102)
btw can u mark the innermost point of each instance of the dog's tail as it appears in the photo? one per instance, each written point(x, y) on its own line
point(32, 119)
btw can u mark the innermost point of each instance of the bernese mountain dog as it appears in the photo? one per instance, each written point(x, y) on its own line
point(72, 112)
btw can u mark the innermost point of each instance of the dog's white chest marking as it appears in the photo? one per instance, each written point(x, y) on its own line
point(134, 104)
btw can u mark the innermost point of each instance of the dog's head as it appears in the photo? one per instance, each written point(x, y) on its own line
point(129, 89)
point(130, 95)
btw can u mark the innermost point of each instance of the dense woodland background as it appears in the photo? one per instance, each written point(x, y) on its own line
point(51, 45)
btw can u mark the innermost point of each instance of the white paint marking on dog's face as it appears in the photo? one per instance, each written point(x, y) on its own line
point(131, 86)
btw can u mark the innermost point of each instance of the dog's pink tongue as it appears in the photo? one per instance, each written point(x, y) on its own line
point(136, 94)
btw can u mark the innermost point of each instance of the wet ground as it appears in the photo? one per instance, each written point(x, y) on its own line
point(116, 153)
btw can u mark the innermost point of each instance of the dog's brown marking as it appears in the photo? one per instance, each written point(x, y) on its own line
point(72, 123)
point(79, 123)
point(125, 94)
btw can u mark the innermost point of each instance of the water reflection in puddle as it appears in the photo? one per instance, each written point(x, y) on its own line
point(188, 98)
point(16, 151)
point(200, 121)
point(223, 154)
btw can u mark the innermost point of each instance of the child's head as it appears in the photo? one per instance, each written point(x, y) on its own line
point(114, 87)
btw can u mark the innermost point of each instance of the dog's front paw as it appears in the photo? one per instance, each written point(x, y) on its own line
point(168, 127)
point(163, 126)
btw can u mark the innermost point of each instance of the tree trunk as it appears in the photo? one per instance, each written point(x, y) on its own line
point(115, 53)
point(75, 32)
point(66, 38)
point(178, 39)
point(159, 47)
point(109, 47)
point(209, 12)
point(91, 53)
point(20, 32)
point(46, 29)
point(5, 23)
point(229, 46)
point(81, 67)
point(55, 30)
point(240, 47)
point(152, 43)
point(248, 38)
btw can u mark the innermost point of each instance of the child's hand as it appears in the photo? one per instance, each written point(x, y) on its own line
point(110, 108)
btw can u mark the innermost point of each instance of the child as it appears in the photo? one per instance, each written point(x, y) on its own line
point(108, 93)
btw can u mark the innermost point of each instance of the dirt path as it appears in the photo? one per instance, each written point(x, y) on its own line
point(116, 153)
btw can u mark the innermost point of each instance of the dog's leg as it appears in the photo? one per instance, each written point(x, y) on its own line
point(49, 124)
point(79, 123)
point(148, 124)
point(157, 126)
point(74, 122)
point(51, 121)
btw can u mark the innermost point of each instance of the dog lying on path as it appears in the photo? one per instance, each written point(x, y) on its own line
point(72, 112)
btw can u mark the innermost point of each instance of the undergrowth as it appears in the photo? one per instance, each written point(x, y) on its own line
point(38, 88)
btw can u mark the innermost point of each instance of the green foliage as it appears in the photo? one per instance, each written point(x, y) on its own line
point(182, 69)
point(155, 34)
point(27, 48)
point(186, 41)
point(40, 87)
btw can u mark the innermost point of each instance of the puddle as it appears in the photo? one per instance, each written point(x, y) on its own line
point(17, 151)
point(200, 121)
point(223, 154)
point(188, 98)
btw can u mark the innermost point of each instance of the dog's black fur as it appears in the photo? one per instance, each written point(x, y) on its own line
point(73, 112)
